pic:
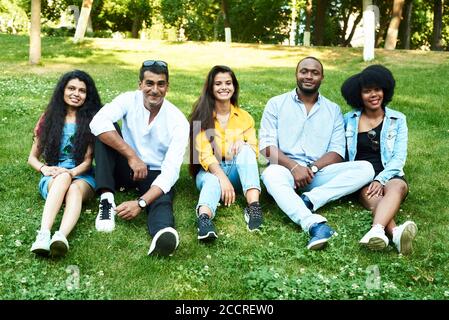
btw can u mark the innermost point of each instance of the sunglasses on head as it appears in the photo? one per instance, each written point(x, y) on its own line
point(160, 63)
point(374, 143)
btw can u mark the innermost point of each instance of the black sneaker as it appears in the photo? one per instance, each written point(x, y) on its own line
point(164, 242)
point(253, 216)
point(206, 229)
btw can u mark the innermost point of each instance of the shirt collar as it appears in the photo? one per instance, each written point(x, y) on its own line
point(233, 111)
point(297, 99)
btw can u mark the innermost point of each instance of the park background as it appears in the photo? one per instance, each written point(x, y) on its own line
point(275, 263)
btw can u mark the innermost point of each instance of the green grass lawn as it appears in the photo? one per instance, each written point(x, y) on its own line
point(274, 264)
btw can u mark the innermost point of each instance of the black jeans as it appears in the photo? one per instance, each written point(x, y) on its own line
point(113, 172)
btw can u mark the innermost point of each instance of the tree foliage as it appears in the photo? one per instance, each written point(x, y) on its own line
point(13, 19)
point(264, 21)
point(250, 20)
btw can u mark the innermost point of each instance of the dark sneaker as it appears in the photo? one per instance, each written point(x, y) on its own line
point(206, 229)
point(253, 217)
point(164, 242)
point(105, 221)
point(320, 234)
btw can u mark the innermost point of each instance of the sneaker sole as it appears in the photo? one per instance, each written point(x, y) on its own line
point(407, 237)
point(317, 245)
point(41, 252)
point(253, 230)
point(103, 229)
point(376, 244)
point(210, 236)
point(165, 244)
point(58, 249)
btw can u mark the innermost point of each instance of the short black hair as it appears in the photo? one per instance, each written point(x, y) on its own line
point(155, 68)
point(373, 76)
point(313, 58)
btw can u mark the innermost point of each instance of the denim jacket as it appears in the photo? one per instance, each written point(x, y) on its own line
point(393, 142)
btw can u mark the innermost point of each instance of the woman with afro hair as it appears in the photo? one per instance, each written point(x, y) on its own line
point(378, 134)
point(62, 152)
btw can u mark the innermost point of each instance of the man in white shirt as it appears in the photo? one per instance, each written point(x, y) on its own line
point(148, 156)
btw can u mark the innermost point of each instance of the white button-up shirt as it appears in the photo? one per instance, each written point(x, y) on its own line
point(160, 144)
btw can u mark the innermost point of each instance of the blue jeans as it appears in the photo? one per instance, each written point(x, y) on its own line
point(330, 183)
point(242, 171)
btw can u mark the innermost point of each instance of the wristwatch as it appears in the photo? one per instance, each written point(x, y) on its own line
point(313, 167)
point(142, 203)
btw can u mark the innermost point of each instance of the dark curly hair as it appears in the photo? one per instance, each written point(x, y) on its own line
point(203, 110)
point(372, 76)
point(52, 122)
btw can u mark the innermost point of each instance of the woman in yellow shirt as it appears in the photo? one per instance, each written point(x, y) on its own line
point(223, 152)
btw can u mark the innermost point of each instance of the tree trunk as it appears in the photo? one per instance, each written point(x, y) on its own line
point(320, 21)
point(347, 42)
point(292, 39)
point(35, 32)
point(135, 28)
point(308, 23)
point(408, 24)
point(392, 33)
point(83, 21)
point(369, 30)
point(437, 25)
point(227, 24)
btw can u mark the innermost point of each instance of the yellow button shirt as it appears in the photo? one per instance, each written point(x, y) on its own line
point(240, 128)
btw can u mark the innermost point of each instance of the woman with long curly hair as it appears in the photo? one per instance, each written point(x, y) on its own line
point(62, 139)
point(378, 134)
point(223, 152)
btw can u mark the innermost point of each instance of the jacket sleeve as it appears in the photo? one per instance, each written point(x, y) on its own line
point(399, 155)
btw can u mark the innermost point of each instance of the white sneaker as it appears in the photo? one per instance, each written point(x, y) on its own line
point(164, 242)
point(105, 221)
point(375, 239)
point(403, 236)
point(42, 244)
point(58, 245)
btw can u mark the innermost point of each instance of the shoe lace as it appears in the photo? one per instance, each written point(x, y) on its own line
point(105, 210)
point(255, 212)
point(204, 221)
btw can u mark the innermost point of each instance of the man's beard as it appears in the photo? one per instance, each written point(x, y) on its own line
point(308, 91)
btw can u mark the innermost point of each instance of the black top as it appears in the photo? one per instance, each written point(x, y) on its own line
point(368, 148)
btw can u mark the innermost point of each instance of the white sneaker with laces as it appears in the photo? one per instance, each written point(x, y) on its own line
point(42, 244)
point(403, 236)
point(375, 239)
point(105, 221)
point(164, 242)
point(58, 245)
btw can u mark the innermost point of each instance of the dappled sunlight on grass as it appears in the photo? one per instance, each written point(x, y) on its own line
point(274, 264)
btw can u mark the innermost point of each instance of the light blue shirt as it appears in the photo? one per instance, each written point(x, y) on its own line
point(393, 142)
point(160, 144)
point(300, 136)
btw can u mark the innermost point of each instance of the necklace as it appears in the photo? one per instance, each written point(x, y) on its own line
point(223, 120)
point(371, 123)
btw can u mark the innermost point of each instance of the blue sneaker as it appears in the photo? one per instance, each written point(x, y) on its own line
point(307, 202)
point(320, 233)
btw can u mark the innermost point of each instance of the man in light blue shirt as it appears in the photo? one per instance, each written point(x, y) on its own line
point(302, 136)
point(148, 156)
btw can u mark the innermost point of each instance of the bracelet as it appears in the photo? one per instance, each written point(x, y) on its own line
point(40, 169)
point(291, 170)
